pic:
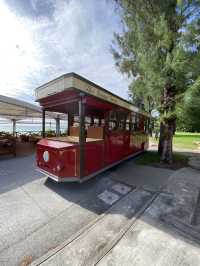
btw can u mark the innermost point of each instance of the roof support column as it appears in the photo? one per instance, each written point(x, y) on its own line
point(81, 135)
point(43, 123)
point(57, 126)
point(14, 126)
point(69, 123)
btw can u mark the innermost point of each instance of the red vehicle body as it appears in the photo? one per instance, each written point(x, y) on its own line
point(103, 129)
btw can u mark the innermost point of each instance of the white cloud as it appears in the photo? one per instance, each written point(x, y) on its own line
point(76, 38)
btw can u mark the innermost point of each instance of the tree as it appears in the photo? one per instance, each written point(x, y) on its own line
point(159, 49)
point(188, 111)
point(192, 106)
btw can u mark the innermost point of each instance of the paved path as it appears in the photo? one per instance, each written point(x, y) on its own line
point(148, 177)
point(97, 241)
point(117, 218)
point(38, 214)
point(147, 243)
point(167, 232)
point(161, 233)
point(15, 172)
point(194, 160)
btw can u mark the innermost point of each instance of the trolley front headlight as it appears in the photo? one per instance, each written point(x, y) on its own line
point(46, 156)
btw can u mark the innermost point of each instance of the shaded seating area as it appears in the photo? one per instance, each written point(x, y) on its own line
point(14, 110)
point(7, 144)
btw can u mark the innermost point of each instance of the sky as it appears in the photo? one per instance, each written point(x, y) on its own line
point(41, 40)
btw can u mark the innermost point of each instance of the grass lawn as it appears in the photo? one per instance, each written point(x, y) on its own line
point(152, 158)
point(184, 140)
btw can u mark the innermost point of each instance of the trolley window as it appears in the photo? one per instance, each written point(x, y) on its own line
point(112, 125)
point(112, 122)
point(102, 122)
point(121, 120)
point(76, 121)
point(128, 122)
point(88, 121)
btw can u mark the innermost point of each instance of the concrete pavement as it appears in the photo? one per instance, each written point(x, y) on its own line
point(163, 233)
point(90, 246)
point(148, 177)
point(121, 217)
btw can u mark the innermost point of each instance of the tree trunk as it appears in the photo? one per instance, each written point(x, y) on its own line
point(160, 144)
point(168, 132)
point(168, 124)
point(150, 128)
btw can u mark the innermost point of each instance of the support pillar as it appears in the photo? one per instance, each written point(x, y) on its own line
point(57, 126)
point(14, 126)
point(43, 123)
point(70, 123)
point(92, 121)
point(81, 135)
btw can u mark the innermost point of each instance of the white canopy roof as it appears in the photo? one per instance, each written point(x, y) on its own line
point(15, 109)
point(11, 108)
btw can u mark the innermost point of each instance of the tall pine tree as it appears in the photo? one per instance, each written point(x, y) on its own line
point(160, 49)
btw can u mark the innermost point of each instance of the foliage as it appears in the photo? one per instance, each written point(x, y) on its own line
point(50, 133)
point(189, 109)
point(159, 45)
point(160, 49)
point(192, 105)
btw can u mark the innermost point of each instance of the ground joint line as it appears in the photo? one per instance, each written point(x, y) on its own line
point(126, 228)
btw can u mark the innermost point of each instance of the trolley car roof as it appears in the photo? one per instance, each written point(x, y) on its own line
point(71, 81)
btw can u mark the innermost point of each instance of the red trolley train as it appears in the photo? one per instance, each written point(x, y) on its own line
point(103, 129)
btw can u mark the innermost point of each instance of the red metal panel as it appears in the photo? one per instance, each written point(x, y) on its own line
point(127, 149)
point(49, 164)
point(94, 157)
point(63, 158)
point(70, 162)
point(59, 98)
point(98, 104)
point(114, 145)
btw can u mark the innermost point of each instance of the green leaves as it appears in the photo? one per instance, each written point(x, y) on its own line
point(160, 46)
point(189, 109)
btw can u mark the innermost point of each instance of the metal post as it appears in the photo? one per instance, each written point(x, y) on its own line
point(70, 123)
point(92, 121)
point(81, 135)
point(43, 123)
point(14, 126)
point(57, 126)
